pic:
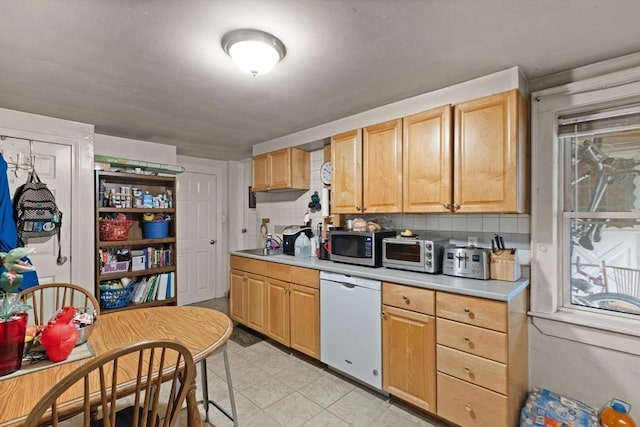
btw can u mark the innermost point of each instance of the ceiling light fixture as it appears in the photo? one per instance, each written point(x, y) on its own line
point(254, 51)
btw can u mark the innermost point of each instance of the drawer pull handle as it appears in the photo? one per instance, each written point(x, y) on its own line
point(468, 407)
point(467, 339)
point(467, 370)
point(467, 310)
point(406, 298)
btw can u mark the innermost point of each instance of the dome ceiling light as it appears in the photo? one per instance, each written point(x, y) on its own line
point(254, 51)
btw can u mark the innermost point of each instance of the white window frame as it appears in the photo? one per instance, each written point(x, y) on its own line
point(547, 271)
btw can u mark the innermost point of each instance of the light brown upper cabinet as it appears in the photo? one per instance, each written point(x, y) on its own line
point(427, 161)
point(367, 169)
point(281, 170)
point(491, 155)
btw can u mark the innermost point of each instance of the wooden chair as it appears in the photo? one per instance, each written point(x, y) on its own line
point(47, 298)
point(163, 368)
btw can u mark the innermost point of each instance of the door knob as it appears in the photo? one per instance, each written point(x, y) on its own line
point(212, 241)
point(244, 230)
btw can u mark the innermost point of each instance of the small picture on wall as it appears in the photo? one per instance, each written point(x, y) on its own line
point(252, 199)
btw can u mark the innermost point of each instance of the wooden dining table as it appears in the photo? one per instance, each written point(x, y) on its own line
point(202, 330)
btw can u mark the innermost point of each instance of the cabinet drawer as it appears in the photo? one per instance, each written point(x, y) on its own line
point(474, 369)
point(305, 277)
point(471, 339)
point(278, 271)
point(408, 297)
point(474, 311)
point(470, 406)
point(248, 264)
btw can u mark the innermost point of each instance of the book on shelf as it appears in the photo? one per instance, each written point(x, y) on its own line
point(153, 288)
point(139, 290)
point(162, 287)
point(170, 281)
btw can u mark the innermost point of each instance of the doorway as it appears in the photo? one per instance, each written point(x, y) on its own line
point(201, 238)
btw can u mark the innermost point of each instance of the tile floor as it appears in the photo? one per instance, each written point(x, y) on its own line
point(277, 387)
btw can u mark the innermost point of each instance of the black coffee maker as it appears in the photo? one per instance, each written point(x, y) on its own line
point(289, 236)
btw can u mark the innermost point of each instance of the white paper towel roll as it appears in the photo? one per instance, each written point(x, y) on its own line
point(324, 202)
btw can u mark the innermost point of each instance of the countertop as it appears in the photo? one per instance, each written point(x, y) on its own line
point(492, 289)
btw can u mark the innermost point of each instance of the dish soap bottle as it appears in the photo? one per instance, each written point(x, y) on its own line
point(302, 246)
point(616, 415)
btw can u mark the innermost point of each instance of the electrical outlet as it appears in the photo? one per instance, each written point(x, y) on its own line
point(472, 241)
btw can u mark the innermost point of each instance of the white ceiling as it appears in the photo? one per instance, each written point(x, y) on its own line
point(154, 70)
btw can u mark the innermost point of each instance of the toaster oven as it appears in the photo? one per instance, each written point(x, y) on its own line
point(413, 254)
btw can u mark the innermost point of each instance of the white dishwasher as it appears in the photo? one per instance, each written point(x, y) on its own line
point(350, 326)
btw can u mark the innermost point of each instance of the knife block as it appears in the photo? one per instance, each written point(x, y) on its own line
point(504, 265)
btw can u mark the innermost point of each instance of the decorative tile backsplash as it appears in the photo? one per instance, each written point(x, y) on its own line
point(289, 208)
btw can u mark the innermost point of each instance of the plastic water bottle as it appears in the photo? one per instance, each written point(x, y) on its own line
point(302, 246)
point(616, 415)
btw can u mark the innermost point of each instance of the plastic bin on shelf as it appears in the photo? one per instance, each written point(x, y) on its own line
point(155, 229)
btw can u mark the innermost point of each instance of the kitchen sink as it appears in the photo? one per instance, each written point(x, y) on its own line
point(261, 251)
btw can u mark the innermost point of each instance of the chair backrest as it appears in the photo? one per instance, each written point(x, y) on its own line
point(47, 298)
point(164, 371)
point(623, 280)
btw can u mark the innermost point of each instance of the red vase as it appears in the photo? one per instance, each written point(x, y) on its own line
point(12, 334)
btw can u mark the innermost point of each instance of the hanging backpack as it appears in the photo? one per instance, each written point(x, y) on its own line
point(35, 210)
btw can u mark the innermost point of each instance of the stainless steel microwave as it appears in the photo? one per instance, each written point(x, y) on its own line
point(413, 254)
point(358, 247)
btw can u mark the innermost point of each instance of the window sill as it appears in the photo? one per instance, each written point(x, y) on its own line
point(592, 329)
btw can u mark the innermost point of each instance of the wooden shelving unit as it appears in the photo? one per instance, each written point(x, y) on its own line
point(108, 182)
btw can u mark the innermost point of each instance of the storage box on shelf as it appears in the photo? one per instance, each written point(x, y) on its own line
point(135, 240)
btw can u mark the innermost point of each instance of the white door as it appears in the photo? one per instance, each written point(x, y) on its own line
point(199, 232)
point(53, 165)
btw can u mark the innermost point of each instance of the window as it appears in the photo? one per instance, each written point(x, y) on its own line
point(601, 227)
point(585, 200)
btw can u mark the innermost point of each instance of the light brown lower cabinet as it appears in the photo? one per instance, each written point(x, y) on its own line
point(305, 319)
point(294, 314)
point(278, 310)
point(463, 358)
point(281, 301)
point(408, 344)
point(409, 362)
point(247, 298)
point(481, 359)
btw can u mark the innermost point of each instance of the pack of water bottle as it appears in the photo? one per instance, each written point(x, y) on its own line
point(544, 408)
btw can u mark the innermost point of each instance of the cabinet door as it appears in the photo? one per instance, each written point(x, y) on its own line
point(305, 319)
point(487, 175)
point(408, 357)
point(280, 169)
point(346, 174)
point(238, 296)
point(278, 310)
point(382, 167)
point(427, 161)
point(261, 172)
point(256, 303)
